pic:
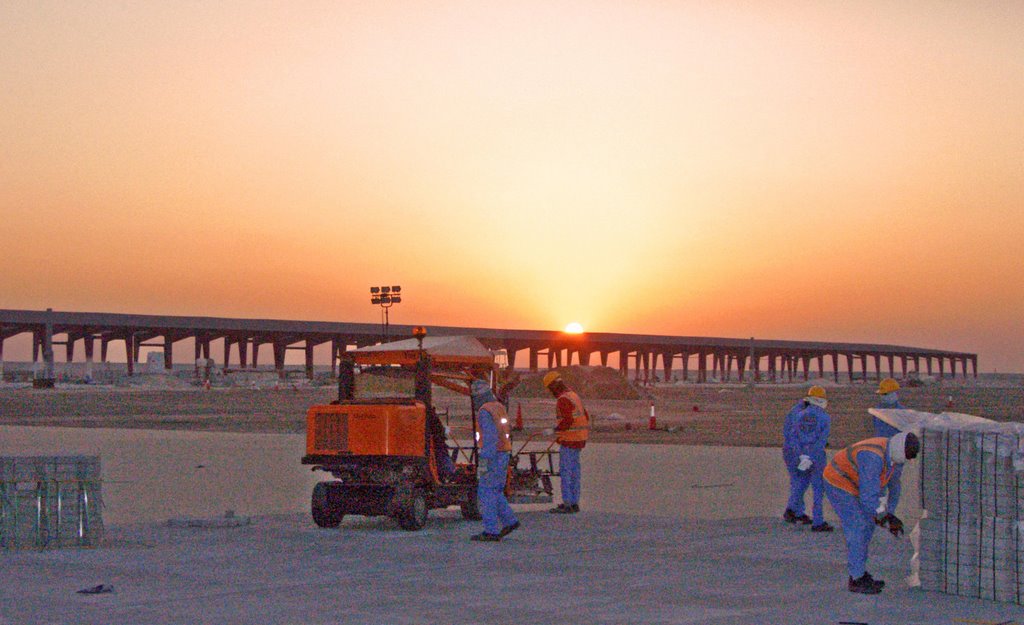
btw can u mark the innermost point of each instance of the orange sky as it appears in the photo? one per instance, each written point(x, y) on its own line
point(791, 170)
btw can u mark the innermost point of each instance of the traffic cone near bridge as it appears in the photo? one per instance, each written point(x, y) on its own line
point(652, 423)
point(519, 418)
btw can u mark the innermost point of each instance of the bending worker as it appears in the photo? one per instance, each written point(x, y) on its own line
point(853, 482)
point(805, 434)
point(571, 434)
point(494, 439)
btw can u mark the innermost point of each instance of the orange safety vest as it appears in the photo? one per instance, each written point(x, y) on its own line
point(580, 428)
point(497, 410)
point(842, 471)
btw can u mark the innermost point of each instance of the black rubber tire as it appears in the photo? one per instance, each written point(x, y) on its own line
point(471, 507)
point(413, 515)
point(325, 505)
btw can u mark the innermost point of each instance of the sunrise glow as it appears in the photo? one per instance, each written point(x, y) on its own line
point(807, 171)
point(574, 328)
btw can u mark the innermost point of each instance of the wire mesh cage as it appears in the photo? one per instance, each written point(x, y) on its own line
point(50, 502)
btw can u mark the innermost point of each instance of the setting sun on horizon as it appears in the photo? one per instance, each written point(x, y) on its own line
point(799, 170)
point(574, 328)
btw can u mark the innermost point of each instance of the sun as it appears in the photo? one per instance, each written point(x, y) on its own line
point(574, 328)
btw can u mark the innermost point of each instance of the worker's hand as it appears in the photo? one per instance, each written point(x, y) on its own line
point(805, 464)
point(892, 522)
point(481, 467)
point(895, 525)
point(447, 432)
point(548, 432)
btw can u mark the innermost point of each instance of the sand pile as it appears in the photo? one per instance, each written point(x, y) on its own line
point(589, 382)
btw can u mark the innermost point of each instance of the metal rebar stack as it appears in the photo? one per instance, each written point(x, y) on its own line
point(50, 502)
point(972, 494)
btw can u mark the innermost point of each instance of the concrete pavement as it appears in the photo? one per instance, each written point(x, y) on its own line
point(594, 567)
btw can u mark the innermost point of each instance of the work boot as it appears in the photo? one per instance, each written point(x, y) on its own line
point(574, 508)
point(822, 527)
point(880, 583)
point(561, 509)
point(485, 537)
point(864, 585)
point(789, 516)
point(508, 529)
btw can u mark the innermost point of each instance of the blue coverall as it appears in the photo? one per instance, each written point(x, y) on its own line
point(569, 468)
point(858, 513)
point(805, 432)
point(490, 490)
point(890, 401)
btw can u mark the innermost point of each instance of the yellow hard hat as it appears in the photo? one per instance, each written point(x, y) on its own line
point(816, 391)
point(550, 377)
point(887, 386)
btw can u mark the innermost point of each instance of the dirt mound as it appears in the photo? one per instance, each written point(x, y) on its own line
point(589, 382)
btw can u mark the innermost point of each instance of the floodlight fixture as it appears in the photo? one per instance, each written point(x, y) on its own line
point(385, 297)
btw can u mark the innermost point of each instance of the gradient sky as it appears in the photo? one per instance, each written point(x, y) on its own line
point(838, 171)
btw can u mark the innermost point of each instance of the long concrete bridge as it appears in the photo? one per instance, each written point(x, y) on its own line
point(700, 359)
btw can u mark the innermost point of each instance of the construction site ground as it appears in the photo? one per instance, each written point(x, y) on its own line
point(588, 568)
point(669, 533)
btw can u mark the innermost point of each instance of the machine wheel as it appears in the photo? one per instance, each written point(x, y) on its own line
point(471, 507)
point(326, 505)
point(413, 514)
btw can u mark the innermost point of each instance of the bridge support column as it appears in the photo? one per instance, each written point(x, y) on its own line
point(89, 347)
point(168, 353)
point(279, 352)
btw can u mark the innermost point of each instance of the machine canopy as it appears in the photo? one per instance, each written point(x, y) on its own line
point(450, 352)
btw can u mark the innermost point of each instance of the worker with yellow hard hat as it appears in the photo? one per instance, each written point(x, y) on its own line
point(804, 436)
point(571, 433)
point(889, 399)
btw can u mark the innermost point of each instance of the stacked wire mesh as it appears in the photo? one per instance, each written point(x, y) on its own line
point(972, 495)
point(50, 501)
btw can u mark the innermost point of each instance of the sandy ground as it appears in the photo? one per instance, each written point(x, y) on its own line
point(601, 566)
point(708, 414)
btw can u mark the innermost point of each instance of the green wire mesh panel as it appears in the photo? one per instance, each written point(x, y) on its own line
point(50, 502)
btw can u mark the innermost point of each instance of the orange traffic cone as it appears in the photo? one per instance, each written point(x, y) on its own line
point(519, 418)
point(652, 424)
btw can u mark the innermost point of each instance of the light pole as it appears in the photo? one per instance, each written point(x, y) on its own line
point(385, 297)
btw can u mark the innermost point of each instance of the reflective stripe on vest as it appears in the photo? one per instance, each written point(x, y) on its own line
point(580, 428)
point(500, 416)
point(843, 472)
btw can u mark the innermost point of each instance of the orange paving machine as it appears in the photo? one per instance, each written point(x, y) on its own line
point(389, 453)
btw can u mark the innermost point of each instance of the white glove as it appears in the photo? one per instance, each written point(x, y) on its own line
point(805, 463)
point(447, 432)
point(548, 432)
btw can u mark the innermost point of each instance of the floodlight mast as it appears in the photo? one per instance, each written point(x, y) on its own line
point(385, 297)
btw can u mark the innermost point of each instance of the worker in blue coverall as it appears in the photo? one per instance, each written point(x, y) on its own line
point(804, 436)
point(854, 481)
point(493, 436)
point(889, 399)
